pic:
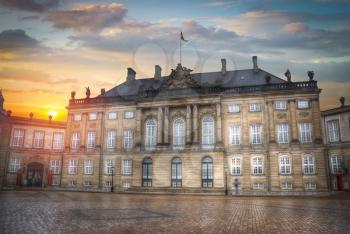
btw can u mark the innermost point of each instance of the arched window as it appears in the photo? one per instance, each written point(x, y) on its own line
point(147, 172)
point(151, 134)
point(207, 172)
point(178, 133)
point(285, 165)
point(176, 172)
point(207, 132)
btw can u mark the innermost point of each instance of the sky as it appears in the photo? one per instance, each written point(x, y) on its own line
point(49, 48)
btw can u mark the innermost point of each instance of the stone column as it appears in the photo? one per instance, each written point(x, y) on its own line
point(83, 131)
point(316, 116)
point(99, 130)
point(294, 127)
point(188, 124)
point(271, 122)
point(218, 123)
point(68, 133)
point(166, 125)
point(160, 125)
point(138, 127)
point(195, 124)
point(245, 125)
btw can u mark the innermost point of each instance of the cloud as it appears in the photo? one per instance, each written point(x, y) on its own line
point(221, 4)
point(88, 17)
point(14, 40)
point(295, 27)
point(30, 5)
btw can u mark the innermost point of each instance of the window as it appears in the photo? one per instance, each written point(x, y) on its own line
point(126, 184)
point(55, 182)
point(208, 132)
point(57, 141)
point(87, 183)
point(88, 167)
point(38, 141)
point(233, 108)
point(112, 115)
point(72, 183)
point(18, 137)
point(109, 167)
point(254, 107)
point(128, 144)
point(235, 135)
point(305, 132)
point(255, 133)
point(303, 104)
point(77, 117)
point(91, 140)
point(236, 165)
point(207, 172)
point(287, 185)
point(75, 140)
point(282, 133)
point(128, 114)
point(151, 134)
point(55, 167)
point(147, 172)
point(108, 184)
point(15, 164)
point(333, 131)
point(111, 138)
point(93, 116)
point(127, 167)
point(285, 165)
point(281, 105)
point(310, 185)
point(258, 186)
point(178, 133)
point(309, 164)
point(176, 172)
point(336, 164)
point(257, 165)
point(73, 167)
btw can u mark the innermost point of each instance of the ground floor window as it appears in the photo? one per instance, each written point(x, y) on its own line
point(108, 184)
point(72, 183)
point(207, 172)
point(87, 183)
point(287, 185)
point(147, 172)
point(15, 164)
point(126, 184)
point(310, 185)
point(176, 172)
point(258, 185)
point(55, 182)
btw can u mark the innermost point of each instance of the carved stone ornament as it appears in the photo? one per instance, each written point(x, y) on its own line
point(304, 114)
point(281, 115)
point(179, 78)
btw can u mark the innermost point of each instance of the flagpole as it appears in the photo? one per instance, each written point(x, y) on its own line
point(180, 49)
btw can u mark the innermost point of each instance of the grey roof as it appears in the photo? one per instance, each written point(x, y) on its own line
point(231, 79)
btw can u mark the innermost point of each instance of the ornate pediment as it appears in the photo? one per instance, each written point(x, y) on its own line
point(180, 78)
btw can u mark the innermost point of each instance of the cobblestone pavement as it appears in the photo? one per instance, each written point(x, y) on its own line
point(74, 212)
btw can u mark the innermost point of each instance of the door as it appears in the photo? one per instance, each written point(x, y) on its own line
point(340, 185)
point(35, 174)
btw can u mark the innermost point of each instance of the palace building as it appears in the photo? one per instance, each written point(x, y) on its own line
point(186, 133)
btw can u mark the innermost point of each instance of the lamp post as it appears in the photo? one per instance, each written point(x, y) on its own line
point(112, 188)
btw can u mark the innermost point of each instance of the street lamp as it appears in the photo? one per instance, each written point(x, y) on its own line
point(112, 188)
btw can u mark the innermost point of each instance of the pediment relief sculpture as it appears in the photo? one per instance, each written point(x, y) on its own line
point(180, 78)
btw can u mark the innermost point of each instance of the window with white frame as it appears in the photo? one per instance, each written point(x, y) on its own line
point(128, 114)
point(151, 134)
point(57, 141)
point(18, 137)
point(305, 132)
point(88, 167)
point(178, 133)
point(333, 131)
point(77, 117)
point(254, 107)
point(236, 166)
point(308, 164)
point(128, 142)
point(235, 135)
point(87, 183)
point(285, 165)
point(282, 133)
point(258, 185)
point(286, 185)
point(111, 138)
point(233, 108)
point(257, 165)
point(72, 166)
point(55, 182)
point(75, 140)
point(91, 140)
point(303, 104)
point(93, 116)
point(310, 185)
point(126, 184)
point(207, 131)
point(255, 133)
point(109, 166)
point(108, 184)
point(38, 141)
point(14, 165)
point(336, 164)
point(281, 105)
point(55, 167)
point(127, 167)
point(112, 115)
point(72, 183)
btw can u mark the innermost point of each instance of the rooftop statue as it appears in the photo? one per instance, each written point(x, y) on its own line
point(2, 99)
point(288, 75)
point(311, 75)
point(87, 92)
point(180, 78)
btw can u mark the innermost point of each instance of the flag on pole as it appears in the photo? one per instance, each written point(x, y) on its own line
point(182, 37)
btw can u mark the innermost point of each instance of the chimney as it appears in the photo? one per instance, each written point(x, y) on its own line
point(255, 63)
point(157, 72)
point(131, 74)
point(223, 66)
point(342, 101)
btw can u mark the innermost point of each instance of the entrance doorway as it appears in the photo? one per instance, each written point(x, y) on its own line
point(35, 174)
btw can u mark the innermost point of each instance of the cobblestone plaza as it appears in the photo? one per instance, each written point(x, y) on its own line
point(74, 212)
